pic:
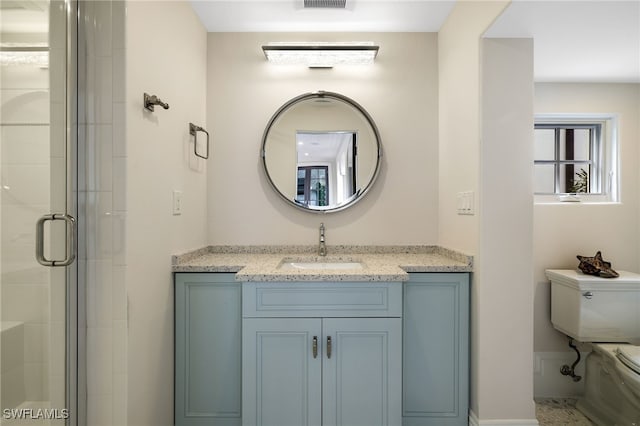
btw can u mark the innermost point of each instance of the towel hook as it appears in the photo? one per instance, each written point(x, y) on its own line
point(193, 129)
point(151, 100)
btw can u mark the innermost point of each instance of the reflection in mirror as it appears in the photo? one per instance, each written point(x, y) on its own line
point(321, 152)
point(326, 167)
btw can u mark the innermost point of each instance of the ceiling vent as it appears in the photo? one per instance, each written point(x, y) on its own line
point(332, 4)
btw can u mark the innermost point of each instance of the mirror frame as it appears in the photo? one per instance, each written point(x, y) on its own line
point(326, 95)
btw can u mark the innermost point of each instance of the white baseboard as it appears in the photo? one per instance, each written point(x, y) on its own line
point(548, 382)
point(474, 421)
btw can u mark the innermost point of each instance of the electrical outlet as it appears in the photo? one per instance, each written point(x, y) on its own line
point(177, 202)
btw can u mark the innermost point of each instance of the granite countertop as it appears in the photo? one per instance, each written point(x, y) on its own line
point(380, 263)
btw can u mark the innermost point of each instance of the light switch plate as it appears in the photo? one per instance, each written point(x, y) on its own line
point(177, 202)
point(466, 203)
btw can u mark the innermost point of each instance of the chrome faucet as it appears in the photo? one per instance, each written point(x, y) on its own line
point(322, 248)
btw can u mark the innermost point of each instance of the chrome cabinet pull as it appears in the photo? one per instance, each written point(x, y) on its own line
point(314, 346)
point(588, 295)
point(70, 249)
point(328, 346)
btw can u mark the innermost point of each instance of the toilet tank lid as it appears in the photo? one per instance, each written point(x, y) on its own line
point(577, 279)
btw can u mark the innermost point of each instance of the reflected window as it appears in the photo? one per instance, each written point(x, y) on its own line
point(313, 186)
point(327, 167)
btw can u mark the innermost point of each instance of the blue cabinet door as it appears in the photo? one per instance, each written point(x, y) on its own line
point(436, 350)
point(207, 350)
point(282, 367)
point(322, 372)
point(362, 372)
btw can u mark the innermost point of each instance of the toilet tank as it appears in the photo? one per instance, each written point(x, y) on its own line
point(593, 309)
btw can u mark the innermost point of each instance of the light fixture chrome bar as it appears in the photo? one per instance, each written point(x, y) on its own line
point(309, 47)
point(24, 54)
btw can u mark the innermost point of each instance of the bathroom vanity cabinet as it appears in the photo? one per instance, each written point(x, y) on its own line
point(435, 350)
point(321, 353)
point(207, 350)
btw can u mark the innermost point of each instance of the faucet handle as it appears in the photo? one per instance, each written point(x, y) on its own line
point(322, 249)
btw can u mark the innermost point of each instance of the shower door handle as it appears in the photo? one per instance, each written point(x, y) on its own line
point(70, 240)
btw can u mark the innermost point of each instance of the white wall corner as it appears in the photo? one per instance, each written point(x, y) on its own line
point(474, 421)
point(548, 382)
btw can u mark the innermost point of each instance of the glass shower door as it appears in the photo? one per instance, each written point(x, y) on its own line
point(37, 206)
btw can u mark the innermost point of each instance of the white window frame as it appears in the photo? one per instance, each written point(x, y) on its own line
point(608, 160)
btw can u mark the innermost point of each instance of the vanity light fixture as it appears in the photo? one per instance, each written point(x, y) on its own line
point(24, 54)
point(321, 54)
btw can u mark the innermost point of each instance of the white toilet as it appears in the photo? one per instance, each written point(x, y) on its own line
point(604, 312)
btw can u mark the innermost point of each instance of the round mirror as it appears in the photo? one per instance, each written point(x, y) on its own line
point(321, 152)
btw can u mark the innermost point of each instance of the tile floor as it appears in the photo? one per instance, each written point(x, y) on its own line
point(559, 412)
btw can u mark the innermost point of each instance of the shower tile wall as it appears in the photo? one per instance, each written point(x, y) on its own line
point(24, 186)
point(102, 160)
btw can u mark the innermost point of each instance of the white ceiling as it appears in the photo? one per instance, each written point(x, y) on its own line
point(575, 40)
point(289, 15)
point(578, 41)
point(321, 146)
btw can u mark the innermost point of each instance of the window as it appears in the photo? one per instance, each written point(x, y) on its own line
point(313, 182)
point(575, 158)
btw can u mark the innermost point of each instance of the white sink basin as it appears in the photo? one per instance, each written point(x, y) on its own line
point(320, 264)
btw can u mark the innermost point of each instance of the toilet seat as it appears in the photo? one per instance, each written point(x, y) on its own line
point(625, 360)
point(629, 355)
point(612, 388)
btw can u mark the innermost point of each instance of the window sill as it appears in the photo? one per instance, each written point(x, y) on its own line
point(574, 200)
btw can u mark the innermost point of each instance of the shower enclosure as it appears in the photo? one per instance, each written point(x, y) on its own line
point(38, 212)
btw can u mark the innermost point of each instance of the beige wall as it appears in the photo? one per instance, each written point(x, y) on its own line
point(165, 56)
point(459, 109)
point(400, 93)
point(473, 88)
point(504, 315)
point(563, 231)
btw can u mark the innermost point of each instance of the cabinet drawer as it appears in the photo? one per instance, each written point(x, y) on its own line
point(321, 299)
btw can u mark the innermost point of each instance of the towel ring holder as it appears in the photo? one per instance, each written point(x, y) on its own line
point(193, 130)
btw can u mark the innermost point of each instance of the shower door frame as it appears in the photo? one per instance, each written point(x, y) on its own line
point(75, 354)
point(62, 45)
